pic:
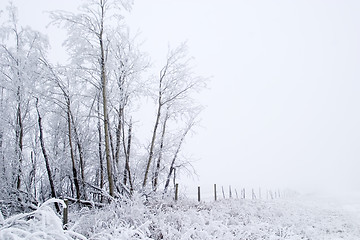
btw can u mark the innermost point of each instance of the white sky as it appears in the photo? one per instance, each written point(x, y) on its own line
point(283, 105)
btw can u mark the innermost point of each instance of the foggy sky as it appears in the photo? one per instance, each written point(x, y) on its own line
point(283, 104)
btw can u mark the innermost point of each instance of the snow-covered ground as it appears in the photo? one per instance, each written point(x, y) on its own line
point(346, 203)
point(305, 217)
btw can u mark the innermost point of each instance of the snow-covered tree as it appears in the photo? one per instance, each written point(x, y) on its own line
point(88, 42)
point(63, 126)
point(21, 80)
point(174, 100)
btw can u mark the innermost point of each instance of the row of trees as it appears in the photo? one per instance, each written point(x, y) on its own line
point(69, 130)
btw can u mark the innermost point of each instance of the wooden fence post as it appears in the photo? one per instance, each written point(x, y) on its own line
point(198, 193)
point(259, 193)
point(230, 193)
point(65, 214)
point(237, 197)
point(253, 194)
point(176, 191)
point(215, 197)
point(222, 189)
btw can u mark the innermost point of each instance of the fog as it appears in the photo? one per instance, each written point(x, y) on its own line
point(282, 108)
point(283, 98)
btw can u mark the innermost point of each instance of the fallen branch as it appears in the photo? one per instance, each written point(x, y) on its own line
point(91, 204)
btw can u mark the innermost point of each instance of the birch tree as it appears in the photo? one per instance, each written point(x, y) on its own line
point(176, 85)
point(20, 50)
point(78, 122)
point(189, 124)
point(128, 64)
point(88, 44)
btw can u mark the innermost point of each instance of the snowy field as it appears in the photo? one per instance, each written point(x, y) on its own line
point(305, 217)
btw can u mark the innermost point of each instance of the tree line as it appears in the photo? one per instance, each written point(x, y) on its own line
point(69, 130)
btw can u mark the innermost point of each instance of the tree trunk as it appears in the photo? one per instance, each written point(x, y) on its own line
point(19, 126)
point(3, 168)
point(75, 177)
point(32, 175)
point(111, 145)
point(19, 133)
point(47, 164)
point(174, 159)
point(100, 150)
point(163, 74)
point(1, 138)
point(81, 155)
point(106, 123)
point(152, 144)
point(158, 164)
point(118, 136)
point(127, 173)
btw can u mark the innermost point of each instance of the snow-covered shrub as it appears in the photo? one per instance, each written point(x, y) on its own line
point(157, 219)
point(122, 219)
point(227, 219)
point(14, 201)
point(42, 223)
